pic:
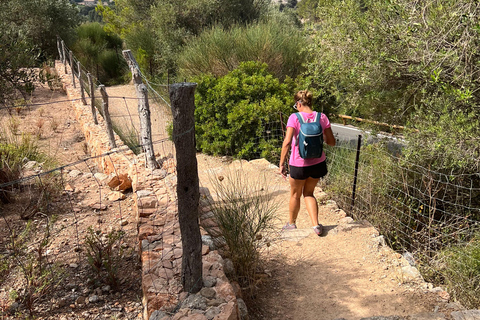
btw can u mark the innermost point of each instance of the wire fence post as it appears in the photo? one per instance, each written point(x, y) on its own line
point(357, 157)
point(70, 55)
point(82, 89)
point(106, 116)
point(64, 57)
point(59, 48)
point(143, 110)
point(183, 108)
point(92, 98)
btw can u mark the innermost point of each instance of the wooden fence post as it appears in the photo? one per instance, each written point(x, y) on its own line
point(82, 90)
point(59, 48)
point(64, 56)
point(70, 55)
point(183, 107)
point(92, 98)
point(143, 111)
point(106, 116)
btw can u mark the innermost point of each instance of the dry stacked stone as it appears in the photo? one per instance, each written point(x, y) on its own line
point(159, 238)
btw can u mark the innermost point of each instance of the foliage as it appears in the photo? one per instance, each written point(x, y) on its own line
point(13, 152)
point(244, 211)
point(406, 62)
point(235, 113)
point(40, 21)
point(460, 267)
point(99, 52)
point(277, 42)
point(157, 29)
point(16, 53)
point(104, 254)
point(28, 36)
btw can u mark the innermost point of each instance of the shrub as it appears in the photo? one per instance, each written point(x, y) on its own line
point(459, 267)
point(99, 53)
point(278, 43)
point(13, 152)
point(29, 249)
point(244, 211)
point(104, 254)
point(239, 114)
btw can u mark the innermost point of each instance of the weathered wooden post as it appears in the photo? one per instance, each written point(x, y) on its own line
point(59, 48)
point(183, 107)
point(106, 116)
point(70, 55)
point(143, 111)
point(64, 56)
point(92, 98)
point(82, 90)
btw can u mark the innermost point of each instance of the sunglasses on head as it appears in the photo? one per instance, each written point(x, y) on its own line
point(295, 105)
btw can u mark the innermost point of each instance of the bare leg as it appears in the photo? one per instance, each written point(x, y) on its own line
point(310, 201)
point(296, 189)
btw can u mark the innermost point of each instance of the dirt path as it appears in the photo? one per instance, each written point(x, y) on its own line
point(343, 274)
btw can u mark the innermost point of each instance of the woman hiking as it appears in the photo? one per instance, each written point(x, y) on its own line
point(306, 166)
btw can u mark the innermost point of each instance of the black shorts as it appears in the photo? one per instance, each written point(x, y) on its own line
point(316, 171)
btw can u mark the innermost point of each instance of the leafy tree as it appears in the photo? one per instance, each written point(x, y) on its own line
point(16, 52)
point(41, 21)
point(100, 52)
point(28, 31)
point(406, 62)
point(239, 114)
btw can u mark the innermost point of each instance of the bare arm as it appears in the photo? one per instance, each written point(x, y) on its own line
point(287, 142)
point(328, 137)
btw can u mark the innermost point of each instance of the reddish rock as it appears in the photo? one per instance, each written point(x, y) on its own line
point(237, 289)
point(205, 250)
point(224, 290)
point(229, 312)
point(147, 202)
point(208, 223)
point(142, 212)
point(144, 231)
point(120, 183)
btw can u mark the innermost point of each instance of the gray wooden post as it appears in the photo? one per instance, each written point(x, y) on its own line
point(70, 55)
point(82, 89)
point(64, 56)
point(183, 107)
point(92, 98)
point(106, 116)
point(143, 111)
point(59, 48)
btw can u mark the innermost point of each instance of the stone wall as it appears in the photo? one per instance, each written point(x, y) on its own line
point(160, 246)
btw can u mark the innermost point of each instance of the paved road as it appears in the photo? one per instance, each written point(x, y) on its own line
point(350, 134)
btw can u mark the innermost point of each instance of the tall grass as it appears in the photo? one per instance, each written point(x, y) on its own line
point(244, 211)
point(277, 43)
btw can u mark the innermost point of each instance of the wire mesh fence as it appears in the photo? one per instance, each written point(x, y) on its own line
point(431, 215)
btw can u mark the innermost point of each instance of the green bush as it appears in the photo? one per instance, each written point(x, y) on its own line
point(239, 114)
point(99, 53)
point(13, 152)
point(278, 43)
point(460, 269)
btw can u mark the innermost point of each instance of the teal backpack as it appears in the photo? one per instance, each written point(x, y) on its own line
point(310, 137)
